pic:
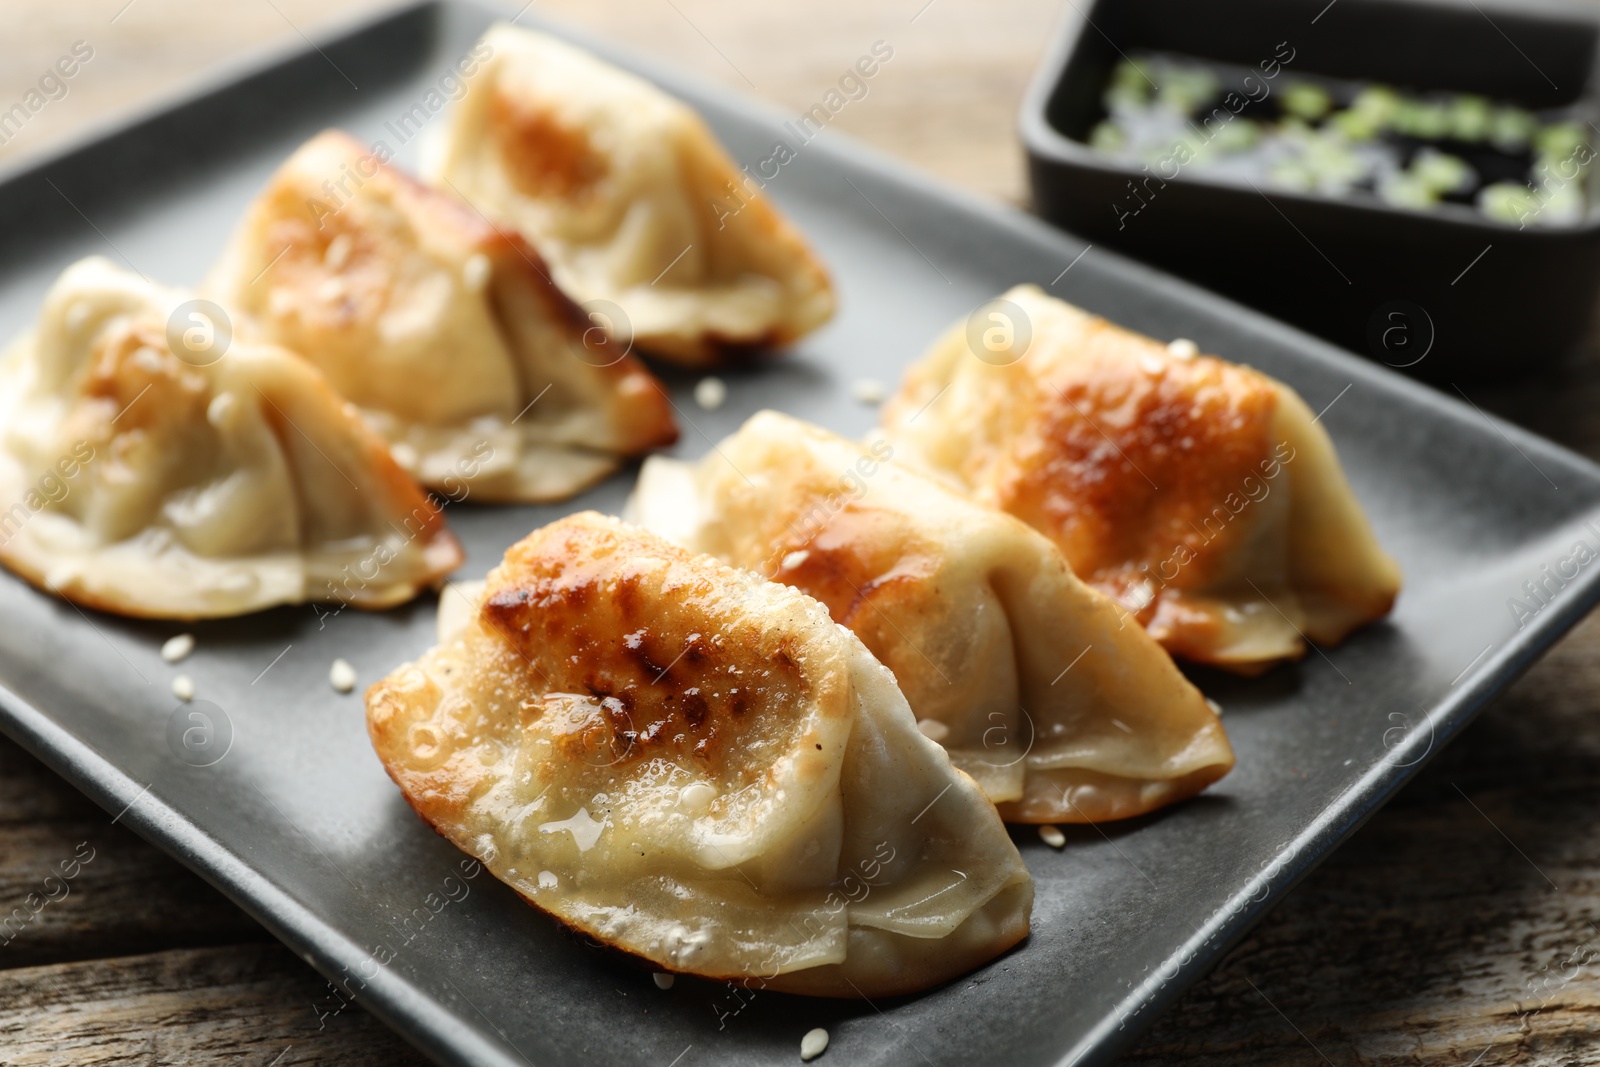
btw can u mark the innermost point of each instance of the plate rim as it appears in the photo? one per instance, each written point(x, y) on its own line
point(422, 1018)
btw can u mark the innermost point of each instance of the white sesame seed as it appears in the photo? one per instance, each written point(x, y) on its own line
point(219, 409)
point(814, 1044)
point(1052, 836)
point(342, 676)
point(933, 729)
point(1216, 709)
point(795, 559)
point(475, 272)
point(183, 688)
point(177, 647)
point(337, 252)
point(868, 390)
point(664, 980)
point(709, 393)
point(697, 796)
point(1184, 348)
point(547, 880)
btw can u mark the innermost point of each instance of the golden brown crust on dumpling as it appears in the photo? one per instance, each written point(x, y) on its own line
point(633, 201)
point(445, 329)
point(564, 594)
point(688, 762)
point(1171, 483)
point(545, 156)
point(1122, 460)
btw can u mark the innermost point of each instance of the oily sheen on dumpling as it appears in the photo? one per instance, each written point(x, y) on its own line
point(1201, 495)
point(447, 332)
point(628, 194)
point(699, 767)
point(172, 483)
point(1058, 707)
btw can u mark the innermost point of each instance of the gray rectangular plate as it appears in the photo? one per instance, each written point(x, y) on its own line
point(298, 823)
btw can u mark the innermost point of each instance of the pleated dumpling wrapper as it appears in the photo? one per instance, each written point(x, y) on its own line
point(1034, 683)
point(157, 470)
point(630, 197)
point(1201, 495)
point(445, 331)
point(699, 767)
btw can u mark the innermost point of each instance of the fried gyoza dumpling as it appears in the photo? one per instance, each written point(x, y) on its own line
point(631, 199)
point(1033, 683)
point(161, 472)
point(1200, 494)
point(445, 331)
point(698, 766)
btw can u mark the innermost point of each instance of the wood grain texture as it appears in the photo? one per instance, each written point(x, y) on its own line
point(246, 1004)
point(1461, 926)
point(75, 886)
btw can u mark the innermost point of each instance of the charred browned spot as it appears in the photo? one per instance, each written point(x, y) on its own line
point(577, 594)
point(634, 647)
point(1128, 462)
point(506, 601)
point(339, 295)
point(639, 652)
point(628, 596)
point(618, 718)
point(851, 561)
point(503, 610)
point(695, 709)
point(546, 157)
point(600, 687)
point(129, 362)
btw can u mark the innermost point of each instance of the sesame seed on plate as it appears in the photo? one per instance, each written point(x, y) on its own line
point(342, 675)
point(814, 1044)
point(177, 647)
point(709, 393)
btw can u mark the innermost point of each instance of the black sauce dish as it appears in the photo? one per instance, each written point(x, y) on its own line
point(1446, 294)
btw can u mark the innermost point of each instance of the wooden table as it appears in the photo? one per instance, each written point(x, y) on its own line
point(1458, 927)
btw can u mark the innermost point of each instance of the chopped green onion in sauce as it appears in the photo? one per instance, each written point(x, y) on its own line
point(1293, 131)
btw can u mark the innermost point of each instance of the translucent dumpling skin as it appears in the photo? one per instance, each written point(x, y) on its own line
point(699, 767)
point(152, 481)
point(627, 193)
point(447, 332)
